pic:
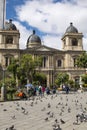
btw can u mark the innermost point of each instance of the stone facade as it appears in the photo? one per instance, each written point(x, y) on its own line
point(54, 60)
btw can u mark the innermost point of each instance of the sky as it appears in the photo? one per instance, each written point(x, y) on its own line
point(49, 18)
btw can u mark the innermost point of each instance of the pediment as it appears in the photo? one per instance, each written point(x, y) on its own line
point(45, 48)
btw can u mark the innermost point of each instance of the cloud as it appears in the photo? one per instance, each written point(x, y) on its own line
point(52, 41)
point(24, 34)
point(53, 17)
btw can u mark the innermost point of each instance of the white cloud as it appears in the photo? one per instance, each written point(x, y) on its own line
point(81, 2)
point(24, 34)
point(53, 18)
point(52, 41)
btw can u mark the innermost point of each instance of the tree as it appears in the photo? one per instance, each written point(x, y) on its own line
point(13, 67)
point(71, 83)
point(61, 78)
point(28, 64)
point(84, 80)
point(40, 78)
point(82, 60)
point(24, 69)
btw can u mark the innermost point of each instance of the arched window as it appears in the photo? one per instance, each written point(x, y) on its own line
point(74, 42)
point(9, 39)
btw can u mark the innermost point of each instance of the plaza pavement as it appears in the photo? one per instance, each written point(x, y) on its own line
point(42, 113)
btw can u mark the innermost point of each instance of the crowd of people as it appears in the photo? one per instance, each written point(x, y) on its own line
point(40, 90)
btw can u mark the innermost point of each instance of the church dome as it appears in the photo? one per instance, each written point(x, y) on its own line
point(71, 29)
point(33, 40)
point(10, 26)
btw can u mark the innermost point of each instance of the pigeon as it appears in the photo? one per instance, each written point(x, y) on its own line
point(48, 113)
point(60, 113)
point(43, 109)
point(51, 115)
point(11, 127)
point(36, 102)
point(49, 105)
point(56, 120)
point(1, 104)
point(54, 125)
point(56, 106)
point(26, 113)
point(17, 109)
point(62, 121)
point(66, 104)
point(77, 116)
point(69, 110)
point(4, 109)
point(46, 119)
point(31, 104)
point(57, 127)
point(52, 97)
point(13, 117)
point(22, 108)
point(75, 123)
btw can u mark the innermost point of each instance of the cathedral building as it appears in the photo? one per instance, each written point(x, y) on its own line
point(54, 60)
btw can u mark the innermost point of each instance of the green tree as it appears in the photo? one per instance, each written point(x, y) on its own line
point(28, 64)
point(13, 67)
point(24, 69)
point(71, 83)
point(62, 78)
point(84, 80)
point(40, 78)
point(82, 60)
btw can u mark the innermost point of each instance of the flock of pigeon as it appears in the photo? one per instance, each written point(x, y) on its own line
point(48, 112)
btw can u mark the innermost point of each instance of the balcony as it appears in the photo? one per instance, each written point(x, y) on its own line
point(60, 68)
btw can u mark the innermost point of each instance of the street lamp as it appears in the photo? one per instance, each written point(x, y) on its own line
point(3, 85)
point(80, 82)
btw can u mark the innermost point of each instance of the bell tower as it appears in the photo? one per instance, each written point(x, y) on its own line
point(9, 38)
point(72, 39)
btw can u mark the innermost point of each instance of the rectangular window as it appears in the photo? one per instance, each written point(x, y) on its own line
point(59, 63)
point(6, 61)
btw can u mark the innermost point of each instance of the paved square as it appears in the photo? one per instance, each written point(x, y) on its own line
point(45, 113)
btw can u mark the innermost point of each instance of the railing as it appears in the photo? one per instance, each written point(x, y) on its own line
point(60, 68)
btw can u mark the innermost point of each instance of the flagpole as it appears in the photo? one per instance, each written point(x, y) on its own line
point(4, 12)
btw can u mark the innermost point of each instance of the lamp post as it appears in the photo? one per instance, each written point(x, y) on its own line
point(3, 86)
point(80, 82)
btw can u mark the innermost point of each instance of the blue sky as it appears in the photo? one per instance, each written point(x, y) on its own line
point(50, 19)
point(10, 8)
